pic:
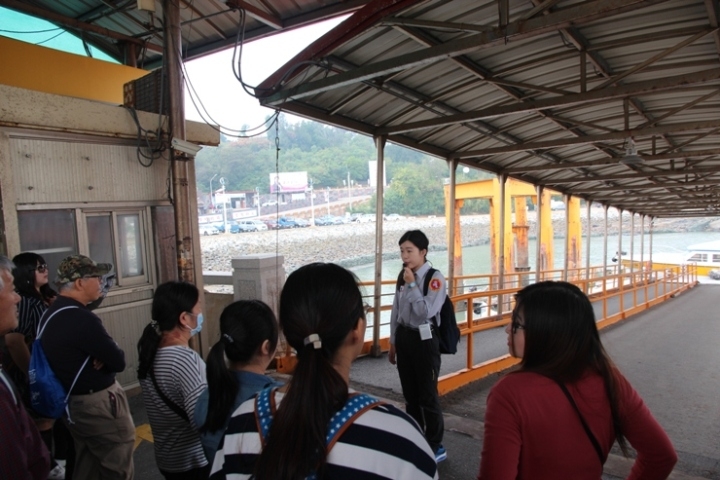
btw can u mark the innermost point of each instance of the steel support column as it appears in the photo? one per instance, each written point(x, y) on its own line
point(376, 351)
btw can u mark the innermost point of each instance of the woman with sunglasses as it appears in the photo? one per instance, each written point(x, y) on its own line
point(172, 376)
point(31, 283)
point(560, 413)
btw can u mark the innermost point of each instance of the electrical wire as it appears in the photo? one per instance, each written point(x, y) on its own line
point(143, 134)
point(30, 31)
point(237, 60)
point(217, 126)
point(51, 38)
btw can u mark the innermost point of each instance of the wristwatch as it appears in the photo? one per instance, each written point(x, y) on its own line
point(411, 284)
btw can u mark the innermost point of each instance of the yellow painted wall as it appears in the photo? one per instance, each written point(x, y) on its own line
point(43, 69)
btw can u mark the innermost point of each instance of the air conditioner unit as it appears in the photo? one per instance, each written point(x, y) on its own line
point(144, 93)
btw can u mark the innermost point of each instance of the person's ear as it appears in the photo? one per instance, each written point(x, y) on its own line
point(358, 333)
point(182, 320)
point(265, 348)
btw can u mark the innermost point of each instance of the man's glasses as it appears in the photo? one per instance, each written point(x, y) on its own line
point(41, 268)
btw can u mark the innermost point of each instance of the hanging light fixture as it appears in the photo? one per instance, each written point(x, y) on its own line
point(631, 157)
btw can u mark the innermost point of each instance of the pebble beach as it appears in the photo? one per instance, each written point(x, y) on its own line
point(354, 243)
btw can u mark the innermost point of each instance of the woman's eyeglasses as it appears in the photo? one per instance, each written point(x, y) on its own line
point(41, 268)
point(515, 325)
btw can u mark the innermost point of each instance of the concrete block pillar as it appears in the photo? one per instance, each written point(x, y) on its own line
point(259, 277)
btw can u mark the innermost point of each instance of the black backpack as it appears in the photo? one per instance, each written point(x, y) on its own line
point(448, 331)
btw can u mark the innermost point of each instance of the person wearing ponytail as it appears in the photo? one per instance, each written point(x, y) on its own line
point(236, 367)
point(172, 376)
point(316, 426)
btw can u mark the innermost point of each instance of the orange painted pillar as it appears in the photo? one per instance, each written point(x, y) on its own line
point(573, 246)
point(520, 230)
point(457, 254)
point(545, 234)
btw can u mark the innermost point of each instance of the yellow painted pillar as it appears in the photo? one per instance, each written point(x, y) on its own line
point(520, 230)
point(545, 234)
point(456, 238)
point(457, 254)
point(500, 226)
point(573, 245)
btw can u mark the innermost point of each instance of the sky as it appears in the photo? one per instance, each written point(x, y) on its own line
point(222, 94)
point(212, 76)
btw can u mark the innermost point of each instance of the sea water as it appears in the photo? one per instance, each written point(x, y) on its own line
point(477, 260)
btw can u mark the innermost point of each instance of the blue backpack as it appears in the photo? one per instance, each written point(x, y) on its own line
point(47, 395)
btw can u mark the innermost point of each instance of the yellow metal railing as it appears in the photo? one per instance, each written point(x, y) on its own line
point(487, 307)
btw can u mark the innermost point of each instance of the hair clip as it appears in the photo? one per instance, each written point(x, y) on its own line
point(314, 339)
point(228, 338)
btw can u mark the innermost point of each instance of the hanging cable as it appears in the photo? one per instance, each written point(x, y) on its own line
point(237, 60)
point(51, 38)
point(144, 135)
point(30, 31)
point(227, 131)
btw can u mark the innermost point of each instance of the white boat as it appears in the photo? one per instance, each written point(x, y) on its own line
point(706, 256)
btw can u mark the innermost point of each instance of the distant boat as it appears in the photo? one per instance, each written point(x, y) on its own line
point(706, 256)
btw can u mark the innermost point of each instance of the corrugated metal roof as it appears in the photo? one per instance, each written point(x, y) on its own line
point(207, 25)
point(448, 78)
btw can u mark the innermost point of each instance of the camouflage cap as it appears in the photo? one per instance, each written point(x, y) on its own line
point(78, 266)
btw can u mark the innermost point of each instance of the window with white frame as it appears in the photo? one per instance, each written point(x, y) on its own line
point(118, 236)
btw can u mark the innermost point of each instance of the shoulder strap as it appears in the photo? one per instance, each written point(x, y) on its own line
point(10, 386)
point(426, 284)
point(356, 405)
point(264, 409)
point(41, 329)
point(428, 276)
point(41, 325)
point(589, 433)
point(173, 406)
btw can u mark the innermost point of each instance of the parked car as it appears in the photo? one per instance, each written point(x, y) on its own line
point(271, 224)
point(220, 227)
point(393, 217)
point(301, 222)
point(365, 218)
point(253, 225)
point(325, 220)
point(286, 222)
point(208, 230)
point(240, 227)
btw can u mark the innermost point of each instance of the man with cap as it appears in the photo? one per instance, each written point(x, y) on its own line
point(23, 455)
point(100, 420)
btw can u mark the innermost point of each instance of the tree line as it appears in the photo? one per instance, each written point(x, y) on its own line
point(331, 156)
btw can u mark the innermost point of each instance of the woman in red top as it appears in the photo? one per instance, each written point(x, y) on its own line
point(560, 413)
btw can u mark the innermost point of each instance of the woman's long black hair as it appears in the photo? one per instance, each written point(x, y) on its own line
point(322, 299)
point(244, 327)
point(562, 340)
point(171, 299)
point(26, 264)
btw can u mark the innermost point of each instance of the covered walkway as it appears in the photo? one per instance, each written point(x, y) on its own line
point(669, 353)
